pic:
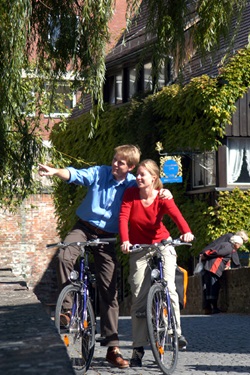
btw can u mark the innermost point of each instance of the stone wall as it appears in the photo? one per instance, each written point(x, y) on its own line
point(234, 294)
point(23, 238)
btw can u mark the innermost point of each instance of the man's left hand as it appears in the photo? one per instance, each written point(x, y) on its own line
point(165, 194)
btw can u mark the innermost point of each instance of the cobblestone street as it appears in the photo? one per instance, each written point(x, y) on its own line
point(217, 344)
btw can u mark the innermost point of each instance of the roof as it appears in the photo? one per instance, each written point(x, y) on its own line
point(132, 41)
point(210, 65)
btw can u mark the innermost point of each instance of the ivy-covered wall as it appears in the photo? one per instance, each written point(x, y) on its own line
point(192, 117)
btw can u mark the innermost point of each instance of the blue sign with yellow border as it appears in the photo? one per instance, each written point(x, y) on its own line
point(171, 169)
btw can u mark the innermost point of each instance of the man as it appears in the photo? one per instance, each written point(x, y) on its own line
point(98, 216)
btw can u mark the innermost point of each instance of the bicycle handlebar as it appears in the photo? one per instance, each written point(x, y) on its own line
point(157, 245)
point(94, 242)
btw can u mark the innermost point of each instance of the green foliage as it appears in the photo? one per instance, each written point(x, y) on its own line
point(21, 133)
point(182, 118)
point(56, 36)
point(230, 214)
point(180, 23)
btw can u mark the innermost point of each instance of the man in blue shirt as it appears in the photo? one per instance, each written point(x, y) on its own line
point(98, 217)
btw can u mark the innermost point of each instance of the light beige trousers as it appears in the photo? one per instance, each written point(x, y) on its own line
point(140, 282)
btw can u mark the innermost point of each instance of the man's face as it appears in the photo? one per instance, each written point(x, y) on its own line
point(120, 168)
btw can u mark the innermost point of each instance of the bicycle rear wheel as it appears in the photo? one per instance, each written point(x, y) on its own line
point(77, 335)
point(162, 329)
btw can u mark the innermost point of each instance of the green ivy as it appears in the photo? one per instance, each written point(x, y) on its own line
point(230, 214)
point(190, 118)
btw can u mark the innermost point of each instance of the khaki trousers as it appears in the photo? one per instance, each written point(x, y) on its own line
point(140, 282)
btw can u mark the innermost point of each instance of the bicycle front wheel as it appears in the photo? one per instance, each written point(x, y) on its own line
point(162, 329)
point(76, 328)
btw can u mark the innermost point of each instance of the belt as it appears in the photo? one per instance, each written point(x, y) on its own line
point(94, 229)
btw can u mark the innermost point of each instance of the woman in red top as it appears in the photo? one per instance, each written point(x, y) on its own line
point(140, 221)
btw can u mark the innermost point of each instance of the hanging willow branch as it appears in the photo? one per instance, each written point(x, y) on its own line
point(57, 36)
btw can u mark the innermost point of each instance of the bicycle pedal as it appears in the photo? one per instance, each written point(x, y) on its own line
point(100, 339)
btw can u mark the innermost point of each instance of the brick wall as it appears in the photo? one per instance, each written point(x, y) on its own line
point(23, 239)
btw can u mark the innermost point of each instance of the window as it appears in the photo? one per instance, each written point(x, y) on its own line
point(118, 89)
point(115, 89)
point(63, 100)
point(161, 80)
point(60, 30)
point(204, 169)
point(165, 73)
point(238, 160)
point(28, 105)
point(148, 84)
point(132, 82)
point(54, 30)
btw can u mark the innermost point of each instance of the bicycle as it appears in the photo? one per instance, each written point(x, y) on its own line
point(160, 315)
point(77, 324)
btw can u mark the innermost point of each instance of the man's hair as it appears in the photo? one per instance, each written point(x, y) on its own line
point(153, 169)
point(130, 153)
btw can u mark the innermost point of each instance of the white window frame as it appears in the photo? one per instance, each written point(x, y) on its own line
point(148, 81)
point(132, 82)
point(116, 89)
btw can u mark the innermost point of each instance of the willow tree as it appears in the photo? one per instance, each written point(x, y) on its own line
point(47, 38)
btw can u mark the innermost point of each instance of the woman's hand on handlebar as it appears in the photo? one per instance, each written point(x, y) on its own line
point(125, 247)
point(187, 237)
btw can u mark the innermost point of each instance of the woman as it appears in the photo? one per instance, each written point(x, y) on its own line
point(140, 221)
point(219, 255)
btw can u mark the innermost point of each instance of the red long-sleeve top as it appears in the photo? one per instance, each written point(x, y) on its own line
point(139, 224)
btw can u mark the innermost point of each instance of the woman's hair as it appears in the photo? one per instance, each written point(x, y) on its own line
point(153, 169)
point(130, 153)
point(243, 235)
point(236, 239)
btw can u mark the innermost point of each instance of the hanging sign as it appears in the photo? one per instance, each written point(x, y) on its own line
point(171, 169)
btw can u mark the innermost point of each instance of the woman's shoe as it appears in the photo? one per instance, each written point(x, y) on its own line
point(136, 360)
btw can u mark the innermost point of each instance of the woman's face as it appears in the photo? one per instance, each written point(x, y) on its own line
point(237, 246)
point(144, 178)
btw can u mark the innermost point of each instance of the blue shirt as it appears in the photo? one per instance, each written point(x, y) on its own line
point(101, 206)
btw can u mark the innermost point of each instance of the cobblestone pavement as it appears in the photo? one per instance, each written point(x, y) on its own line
point(217, 345)
point(29, 343)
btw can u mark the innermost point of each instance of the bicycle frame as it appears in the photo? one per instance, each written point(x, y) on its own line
point(164, 283)
point(84, 281)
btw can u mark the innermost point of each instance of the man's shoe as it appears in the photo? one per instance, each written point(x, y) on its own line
point(215, 310)
point(182, 342)
point(115, 358)
point(207, 311)
point(137, 355)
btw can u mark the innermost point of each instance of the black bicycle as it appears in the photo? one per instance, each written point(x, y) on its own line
point(74, 315)
point(161, 320)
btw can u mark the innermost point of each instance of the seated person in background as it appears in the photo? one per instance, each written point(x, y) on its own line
point(219, 255)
